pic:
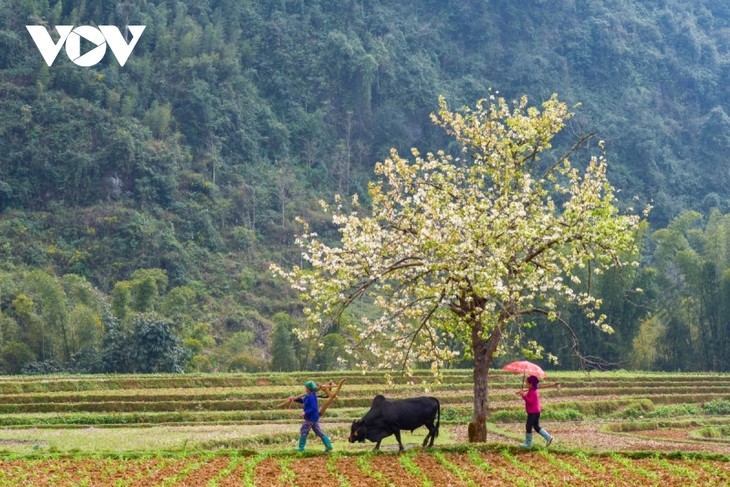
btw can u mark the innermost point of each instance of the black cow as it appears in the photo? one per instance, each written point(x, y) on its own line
point(389, 416)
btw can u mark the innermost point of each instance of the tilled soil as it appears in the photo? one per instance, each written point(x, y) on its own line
point(414, 467)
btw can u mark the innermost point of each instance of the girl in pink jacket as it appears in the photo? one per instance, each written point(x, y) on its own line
point(532, 407)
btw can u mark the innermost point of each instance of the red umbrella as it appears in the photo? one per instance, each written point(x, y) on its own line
point(525, 367)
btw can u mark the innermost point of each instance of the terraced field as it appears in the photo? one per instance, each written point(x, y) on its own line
point(227, 430)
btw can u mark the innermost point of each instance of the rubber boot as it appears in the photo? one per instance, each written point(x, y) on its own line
point(302, 443)
point(528, 441)
point(327, 443)
point(546, 435)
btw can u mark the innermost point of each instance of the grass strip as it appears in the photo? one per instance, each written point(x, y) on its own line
point(406, 460)
point(514, 460)
point(249, 473)
point(363, 463)
point(148, 471)
point(439, 457)
point(479, 461)
point(190, 468)
point(235, 461)
point(629, 465)
point(590, 463)
point(332, 469)
point(562, 465)
point(287, 474)
point(679, 471)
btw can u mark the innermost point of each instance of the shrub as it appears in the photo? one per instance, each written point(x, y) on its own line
point(670, 410)
point(456, 414)
point(246, 363)
point(552, 414)
point(201, 363)
point(632, 412)
point(507, 415)
point(717, 406)
point(567, 414)
point(44, 367)
point(87, 360)
point(154, 347)
point(710, 432)
point(638, 409)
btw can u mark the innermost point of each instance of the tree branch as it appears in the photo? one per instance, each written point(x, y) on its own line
point(587, 362)
point(567, 154)
point(423, 324)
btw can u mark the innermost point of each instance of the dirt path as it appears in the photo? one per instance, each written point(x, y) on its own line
point(589, 436)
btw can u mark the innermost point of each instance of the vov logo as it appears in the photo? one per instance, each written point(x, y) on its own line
point(101, 37)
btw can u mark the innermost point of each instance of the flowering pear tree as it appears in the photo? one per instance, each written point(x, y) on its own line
point(457, 253)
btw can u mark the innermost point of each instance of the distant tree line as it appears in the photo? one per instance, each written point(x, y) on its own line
point(670, 313)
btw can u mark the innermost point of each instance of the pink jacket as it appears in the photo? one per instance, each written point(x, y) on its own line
point(532, 401)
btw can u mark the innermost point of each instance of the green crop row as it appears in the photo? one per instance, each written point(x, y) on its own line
point(254, 398)
point(25, 384)
point(630, 406)
point(185, 405)
point(460, 377)
point(143, 418)
point(667, 423)
point(622, 408)
point(591, 406)
point(456, 413)
point(715, 433)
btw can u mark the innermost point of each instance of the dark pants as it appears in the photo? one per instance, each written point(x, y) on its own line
point(533, 421)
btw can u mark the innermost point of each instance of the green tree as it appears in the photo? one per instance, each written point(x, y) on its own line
point(326, 356)
point(116, 345)
point(154, 347)
point(158, 118)
point(178, 306)
point(239, 354)
point(52, 302)
point(469, 248)
point(692, 259)
point(14, 356)
point(146, 287)
point(121, 299)
point(646, 345)
point(85, 328)
point(282, 349)
point(198, 342)
point(80, 291)
point(201, 333)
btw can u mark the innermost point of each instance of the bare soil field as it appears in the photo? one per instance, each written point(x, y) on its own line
point(411, 469)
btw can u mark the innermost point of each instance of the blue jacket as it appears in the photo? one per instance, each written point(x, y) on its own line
point(311, 407)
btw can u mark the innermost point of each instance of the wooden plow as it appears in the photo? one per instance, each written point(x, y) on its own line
point(330, 389)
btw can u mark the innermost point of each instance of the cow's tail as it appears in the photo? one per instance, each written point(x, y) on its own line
point(438, 418)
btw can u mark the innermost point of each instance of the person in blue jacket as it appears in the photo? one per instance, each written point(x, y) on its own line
point(311, 416)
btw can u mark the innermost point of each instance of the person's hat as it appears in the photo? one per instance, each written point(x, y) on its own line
point(310, 385)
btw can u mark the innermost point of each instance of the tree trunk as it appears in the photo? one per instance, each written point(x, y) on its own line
point(483, 353)
point(478, 425)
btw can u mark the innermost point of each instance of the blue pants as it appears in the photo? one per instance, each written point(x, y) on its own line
point(308, 426)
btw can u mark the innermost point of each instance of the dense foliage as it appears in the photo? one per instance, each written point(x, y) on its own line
point(165, 187)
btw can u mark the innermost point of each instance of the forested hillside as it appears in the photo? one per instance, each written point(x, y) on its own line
point(140, 206)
